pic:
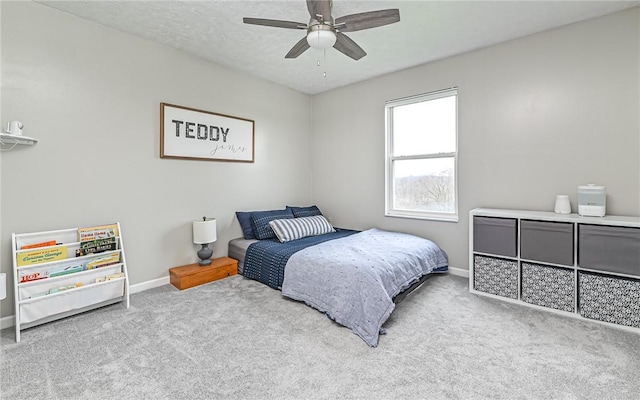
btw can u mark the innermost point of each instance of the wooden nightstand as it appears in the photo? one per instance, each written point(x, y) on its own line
point(188, 276)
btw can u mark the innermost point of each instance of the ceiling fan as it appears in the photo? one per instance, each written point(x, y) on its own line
point(324, 32)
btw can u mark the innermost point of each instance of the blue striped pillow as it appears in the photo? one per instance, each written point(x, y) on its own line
point(298, 228)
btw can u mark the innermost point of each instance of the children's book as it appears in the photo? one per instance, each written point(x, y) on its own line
point(41, 244)
point(38, 256)
point(103, 261)
point(97, 246)
point(91, 233)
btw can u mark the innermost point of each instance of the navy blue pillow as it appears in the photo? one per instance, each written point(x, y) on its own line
point(245, 223)
point(260, 221)
point(305, 211)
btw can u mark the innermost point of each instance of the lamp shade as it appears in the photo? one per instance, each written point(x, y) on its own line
point(204, 231)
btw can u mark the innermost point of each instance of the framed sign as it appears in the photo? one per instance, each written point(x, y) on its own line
point(188, 133)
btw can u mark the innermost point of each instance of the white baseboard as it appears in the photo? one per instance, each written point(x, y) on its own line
point(7, 322)
point(141, 287)
point(459, 272)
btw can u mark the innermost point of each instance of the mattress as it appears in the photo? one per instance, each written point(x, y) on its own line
point(238, 250)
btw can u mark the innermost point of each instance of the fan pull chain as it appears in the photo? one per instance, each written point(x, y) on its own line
point(324, 60)
point(324, 65)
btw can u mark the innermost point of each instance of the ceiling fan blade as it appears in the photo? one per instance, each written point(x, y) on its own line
point(367, 20)
point(274, 22)
point(345, 45)
point(320, 7)
point(298, 48)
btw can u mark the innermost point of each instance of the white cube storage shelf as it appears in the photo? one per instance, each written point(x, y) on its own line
point(579, 266)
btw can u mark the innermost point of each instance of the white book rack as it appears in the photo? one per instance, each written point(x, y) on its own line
point(46, 290)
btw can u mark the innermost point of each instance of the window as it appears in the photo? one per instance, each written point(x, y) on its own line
point(422, 151)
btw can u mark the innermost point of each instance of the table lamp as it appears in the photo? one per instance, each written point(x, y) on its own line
point(204, 232)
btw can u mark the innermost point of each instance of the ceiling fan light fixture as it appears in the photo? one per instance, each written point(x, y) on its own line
point(324, 31)
point(321, 37)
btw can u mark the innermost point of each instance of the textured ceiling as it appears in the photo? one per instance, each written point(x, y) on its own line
point(427, 31)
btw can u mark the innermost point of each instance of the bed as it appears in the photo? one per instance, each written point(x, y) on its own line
point(355, 277)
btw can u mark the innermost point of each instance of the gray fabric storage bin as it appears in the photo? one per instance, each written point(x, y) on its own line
point(609, 299)
point(550, 242)
point(496, 276)
point(495, 236)
point(548, 286)
point(609, 248)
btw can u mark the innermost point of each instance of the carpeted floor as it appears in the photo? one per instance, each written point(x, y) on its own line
point(238, 339)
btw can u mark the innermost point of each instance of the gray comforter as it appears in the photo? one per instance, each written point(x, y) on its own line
point(354, 279)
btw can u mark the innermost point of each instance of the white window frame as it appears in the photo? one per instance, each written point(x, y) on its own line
point(389, 189)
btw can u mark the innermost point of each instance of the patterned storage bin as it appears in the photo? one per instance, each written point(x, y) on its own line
point(548, 286)
point(496, 276)
point(609, 299)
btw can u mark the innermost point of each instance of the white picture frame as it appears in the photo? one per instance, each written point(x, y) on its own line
point(189, 133)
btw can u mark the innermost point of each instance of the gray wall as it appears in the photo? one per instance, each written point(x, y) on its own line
point(538, 116)
point(92, 95)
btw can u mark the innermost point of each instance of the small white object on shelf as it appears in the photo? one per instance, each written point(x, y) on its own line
point(563, 206)
point(592, 200)
point(15, 128)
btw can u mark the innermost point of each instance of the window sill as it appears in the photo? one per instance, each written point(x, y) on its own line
point(423, 216)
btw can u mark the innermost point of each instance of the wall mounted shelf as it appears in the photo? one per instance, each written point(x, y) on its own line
point(7, 138)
